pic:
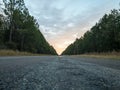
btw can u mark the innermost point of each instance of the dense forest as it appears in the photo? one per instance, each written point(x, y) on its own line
point(20, 31)
point(104, 36)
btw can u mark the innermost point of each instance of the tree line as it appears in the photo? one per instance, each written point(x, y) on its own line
point(20, 31)
point(104, 36)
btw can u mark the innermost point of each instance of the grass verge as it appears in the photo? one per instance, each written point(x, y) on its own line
point(16, 53)
point(109, 55)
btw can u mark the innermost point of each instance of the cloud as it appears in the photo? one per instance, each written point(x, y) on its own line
point(47, 17)
point(75, 35)
point(70, 24)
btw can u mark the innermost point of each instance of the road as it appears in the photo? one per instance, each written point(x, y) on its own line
point(59, 73)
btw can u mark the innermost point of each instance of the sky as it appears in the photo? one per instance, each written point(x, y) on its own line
point(62, 21)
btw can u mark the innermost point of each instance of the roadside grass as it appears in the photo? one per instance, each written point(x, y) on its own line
point(109, 55)
point(16, 53)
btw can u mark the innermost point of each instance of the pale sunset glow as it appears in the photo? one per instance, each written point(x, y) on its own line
point(62, 21)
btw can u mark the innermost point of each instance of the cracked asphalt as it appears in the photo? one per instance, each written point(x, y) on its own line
point(59, 73)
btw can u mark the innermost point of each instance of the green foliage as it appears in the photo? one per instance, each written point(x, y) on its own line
point(103, 37)
point(11, 45)
point(22, 30)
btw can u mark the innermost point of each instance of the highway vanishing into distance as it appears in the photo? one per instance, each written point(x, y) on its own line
point(59, 73)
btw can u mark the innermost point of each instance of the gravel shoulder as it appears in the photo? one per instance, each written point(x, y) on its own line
point(107, 62)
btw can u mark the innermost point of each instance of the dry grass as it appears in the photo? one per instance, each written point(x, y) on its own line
point(110, 55)
point(16, 53)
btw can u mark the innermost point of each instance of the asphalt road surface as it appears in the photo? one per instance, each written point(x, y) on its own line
point(59, 73)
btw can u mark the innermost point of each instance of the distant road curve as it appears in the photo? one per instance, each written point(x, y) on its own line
point(58, 73)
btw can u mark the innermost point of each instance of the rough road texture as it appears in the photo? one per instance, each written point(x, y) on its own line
point(59, 73)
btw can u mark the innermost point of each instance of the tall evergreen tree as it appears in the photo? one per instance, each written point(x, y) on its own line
point(103, 37)
point(21, 30)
